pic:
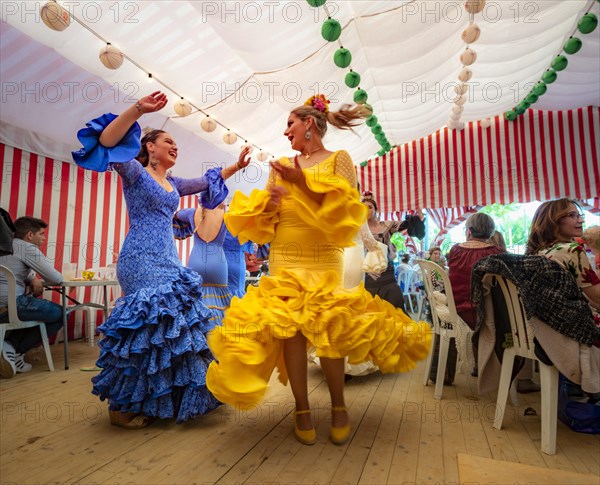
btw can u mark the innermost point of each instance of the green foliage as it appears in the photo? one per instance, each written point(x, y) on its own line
point(398, 241)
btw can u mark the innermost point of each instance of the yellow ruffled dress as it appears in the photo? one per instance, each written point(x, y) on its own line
point(304, 291)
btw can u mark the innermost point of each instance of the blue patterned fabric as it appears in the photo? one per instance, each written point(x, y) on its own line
point(236, 264)
point(154, 353)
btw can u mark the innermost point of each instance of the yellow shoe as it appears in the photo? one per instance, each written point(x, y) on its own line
point(339, 436)
point(305, 436)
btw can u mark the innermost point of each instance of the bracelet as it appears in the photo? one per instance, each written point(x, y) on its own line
point(139, 107)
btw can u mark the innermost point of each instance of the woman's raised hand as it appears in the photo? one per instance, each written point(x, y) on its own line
point(153, 102)
point(243, 160)
point(287, 172)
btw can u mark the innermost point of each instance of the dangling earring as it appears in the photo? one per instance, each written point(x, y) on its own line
point(307, 135)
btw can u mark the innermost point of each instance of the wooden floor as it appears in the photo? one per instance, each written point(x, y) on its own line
point(54, 431)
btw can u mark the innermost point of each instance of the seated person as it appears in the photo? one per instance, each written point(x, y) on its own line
point(25, 262)
point(253, 264)
point(435, 256)
point(591, 238)
point(554, 227)
point(461, 259)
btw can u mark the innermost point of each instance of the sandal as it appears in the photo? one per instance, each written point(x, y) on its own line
point(129, 420)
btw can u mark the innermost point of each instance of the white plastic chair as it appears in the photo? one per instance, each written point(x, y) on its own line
point(408, 280)
point(523, 346)
point(446, 324)
point(14, 323)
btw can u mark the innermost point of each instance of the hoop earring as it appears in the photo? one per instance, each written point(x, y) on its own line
point(307, 135)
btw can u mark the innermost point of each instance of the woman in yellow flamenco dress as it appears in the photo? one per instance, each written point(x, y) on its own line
point(309, 212)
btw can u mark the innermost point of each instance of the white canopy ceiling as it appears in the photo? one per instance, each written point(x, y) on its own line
point(248, 63)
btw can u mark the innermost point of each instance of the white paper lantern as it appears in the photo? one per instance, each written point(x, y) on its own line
point(248, 145)
point(468, 57)
point(55, 16)
point(460, 100)
point(111, 57)
point(474, 6)
point(229, 137)
point(208, 124)
point(460, 125)
point(262, 156)
point(455, 116)
point(451, 124)
point(471, 34)
point(182, 107)
point(465, 75)
point(485, 123)
point(461, 89)
point(458, 109)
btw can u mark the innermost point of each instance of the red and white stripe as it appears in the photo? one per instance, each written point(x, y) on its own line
point(542, 155)
point(86, 212)
point(447, 218)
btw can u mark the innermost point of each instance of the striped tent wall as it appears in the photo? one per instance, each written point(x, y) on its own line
point(542, 155)
point(86, 212)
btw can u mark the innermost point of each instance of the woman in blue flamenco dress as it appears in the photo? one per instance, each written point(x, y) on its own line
point(154, 354)
point(236, 264)
point(207, 257)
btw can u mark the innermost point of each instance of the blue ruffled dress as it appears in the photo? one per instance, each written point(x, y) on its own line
point(154, 354)
point(208, 260)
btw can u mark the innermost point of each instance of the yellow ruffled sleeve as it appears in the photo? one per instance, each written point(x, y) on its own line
point(341, 213)
point(249, 219)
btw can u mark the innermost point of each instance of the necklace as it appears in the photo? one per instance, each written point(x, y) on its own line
point(307, 155)
point(160, 179)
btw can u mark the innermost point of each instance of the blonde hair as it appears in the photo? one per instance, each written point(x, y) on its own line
point(344, 119)
point(592, 237)
point(544, 231)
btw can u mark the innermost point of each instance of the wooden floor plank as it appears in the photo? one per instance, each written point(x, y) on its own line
point(53, 430)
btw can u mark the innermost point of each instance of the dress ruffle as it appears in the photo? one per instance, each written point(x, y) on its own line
point(217, 298)
point(97, 157)
point(338, 216)
point(335, 321)
point(248, 219)
point(154, 353)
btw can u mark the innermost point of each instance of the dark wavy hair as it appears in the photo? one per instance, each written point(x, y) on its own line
point(150, 136)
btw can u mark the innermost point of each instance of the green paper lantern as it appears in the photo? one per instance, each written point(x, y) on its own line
point(331, 30)
point(524, 105)
point(342, 57)
point(360, 96)
point(531, 98)
point(316, 3)
point(510, 115)
point(376, 130)
point(559, 63)
point(387, 148)
point(573, 45)
point(519, 110)
point(363, 164)
point(368, 108)
point(587, 23)
point(352, 79)
point(381, 153)
point(371, 121)
point(539, 89)
point(381, 139)
point(549, 76)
